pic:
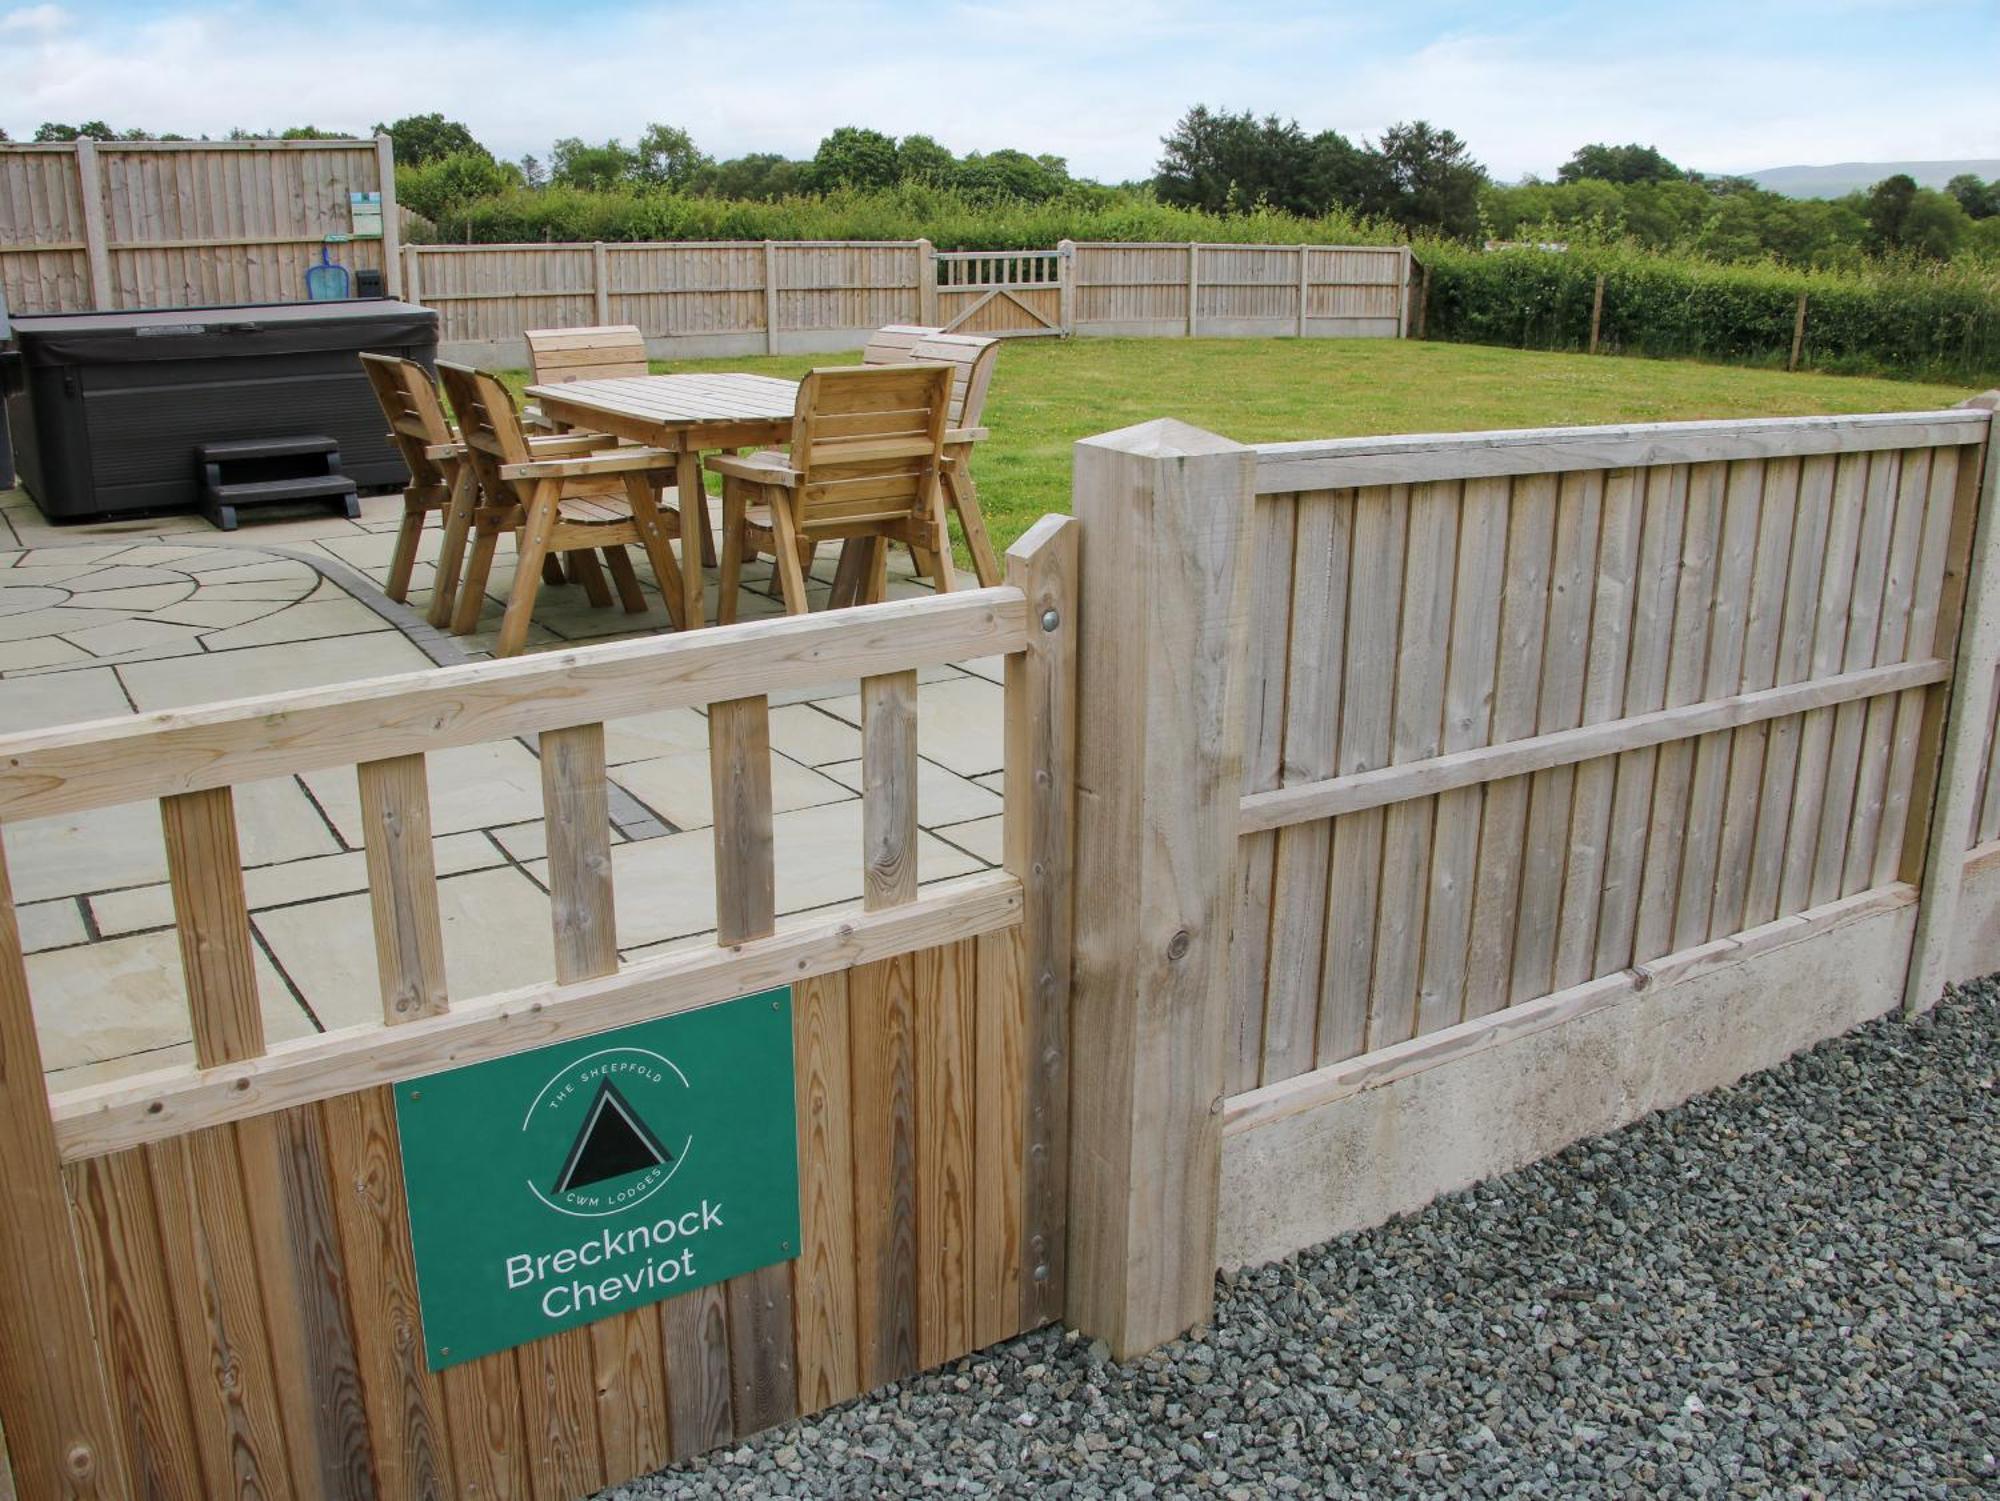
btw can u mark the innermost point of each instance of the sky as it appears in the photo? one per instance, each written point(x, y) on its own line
point(1722, 87)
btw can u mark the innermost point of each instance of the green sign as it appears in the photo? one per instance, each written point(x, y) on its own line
point(581, 1180)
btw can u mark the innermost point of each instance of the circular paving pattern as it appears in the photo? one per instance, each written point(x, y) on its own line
point(70, 607)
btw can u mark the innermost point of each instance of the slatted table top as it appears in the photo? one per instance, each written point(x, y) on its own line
point(689, 399)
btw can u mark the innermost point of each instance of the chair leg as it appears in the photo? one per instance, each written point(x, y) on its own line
point(403, 561)
point(529, 570)
point(785, 544)
point(734, 504)
point(552, 570)
point(584, 569)
point(707, 536)
point(877, 588)
point(451, 551)
point(964, 498)
point(940, 569)
point(472, 591)
point(851, 576)
point(650, 522)
point(630, 595)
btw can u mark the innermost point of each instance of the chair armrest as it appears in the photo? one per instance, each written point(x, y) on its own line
point(552, 445)
point(966, 434)
point(764, 473)
point(562, 445)
point(618, 461)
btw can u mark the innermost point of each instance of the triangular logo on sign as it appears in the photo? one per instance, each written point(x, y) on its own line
point(612, 1142)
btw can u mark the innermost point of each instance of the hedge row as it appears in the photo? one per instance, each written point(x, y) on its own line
point(1925, 324)
point(949, 219)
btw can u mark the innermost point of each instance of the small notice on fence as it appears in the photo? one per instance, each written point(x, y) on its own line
point(583, 1180)
point(366, 209)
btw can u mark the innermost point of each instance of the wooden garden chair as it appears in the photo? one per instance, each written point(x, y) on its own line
point(440, 480)
point(556, 506)
point(972, 360)
point(417, 426)
point(891, 344)
point(557, 356)
point(866, 461)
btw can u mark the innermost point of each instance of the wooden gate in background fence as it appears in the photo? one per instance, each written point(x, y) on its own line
point(206, 1273)
point(1009, 294)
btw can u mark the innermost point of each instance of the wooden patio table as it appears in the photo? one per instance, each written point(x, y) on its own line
point(688, 414)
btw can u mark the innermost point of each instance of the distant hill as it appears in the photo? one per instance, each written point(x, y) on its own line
point(1834, 180)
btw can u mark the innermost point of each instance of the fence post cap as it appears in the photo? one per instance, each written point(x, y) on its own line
point(1163, 438)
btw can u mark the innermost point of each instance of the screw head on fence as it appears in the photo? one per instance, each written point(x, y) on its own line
point(1050, 620)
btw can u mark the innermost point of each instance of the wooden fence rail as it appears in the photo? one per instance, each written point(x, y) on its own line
point(209, 1284)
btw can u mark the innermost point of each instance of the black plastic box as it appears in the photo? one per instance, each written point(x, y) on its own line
point(113, 404)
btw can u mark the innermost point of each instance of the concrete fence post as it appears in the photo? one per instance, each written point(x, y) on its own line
point(1165, 512)
point(392, 216)
point(927, 285)
point(1066, 286)
point(96, 244)
point(770, 297)
point(1956, 733)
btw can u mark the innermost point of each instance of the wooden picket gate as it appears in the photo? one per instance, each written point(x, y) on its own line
point(206, 1273)
point(1004, 294)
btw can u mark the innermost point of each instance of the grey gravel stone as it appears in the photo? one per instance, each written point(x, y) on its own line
point(1788, 1287)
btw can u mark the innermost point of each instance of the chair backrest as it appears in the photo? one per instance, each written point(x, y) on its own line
point(892, 344)
point(972, 360)
point(868, 443)
point(409, 399)
point(489, 424)
point(561, 355)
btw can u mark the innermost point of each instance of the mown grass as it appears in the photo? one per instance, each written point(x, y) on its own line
point(1048, 393)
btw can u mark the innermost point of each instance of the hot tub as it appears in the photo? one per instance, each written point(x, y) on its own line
point(113, 404)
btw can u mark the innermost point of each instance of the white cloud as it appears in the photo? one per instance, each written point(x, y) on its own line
point(35, 18)
point(1096, 83)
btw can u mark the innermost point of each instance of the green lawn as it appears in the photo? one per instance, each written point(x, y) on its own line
point(1049, 393)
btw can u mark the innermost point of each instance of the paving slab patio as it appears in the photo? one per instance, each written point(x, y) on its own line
point(102, 620)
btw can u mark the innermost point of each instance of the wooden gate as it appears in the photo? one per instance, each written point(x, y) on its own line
point(206, 1271)
point(1004, 294)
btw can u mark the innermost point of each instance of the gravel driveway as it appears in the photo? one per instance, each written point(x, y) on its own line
point(1789, 1287)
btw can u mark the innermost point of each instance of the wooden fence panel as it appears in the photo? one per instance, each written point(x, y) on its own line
point(44, 266)
point(139, 224)
point(1615, 594)
point(237, 1244)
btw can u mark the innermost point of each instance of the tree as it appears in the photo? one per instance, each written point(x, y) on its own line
point(96, 130)
point(533, 173)
point(425, 138)
point(1889, 204)
point(853, 157)
point(667, 157)
point(1980, 200)
point(1222, 162)
point(1935, 226)
point(595, 168)
point(1009, 174)
point(762, 175)
point(3, 134)
point(1633, 163)
point(447, 183)
point(1434, 179)
point(921, 159)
